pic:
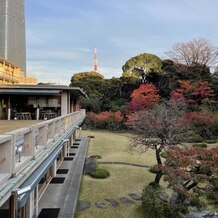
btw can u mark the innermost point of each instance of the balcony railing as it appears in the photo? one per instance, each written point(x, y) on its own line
point(19, 147)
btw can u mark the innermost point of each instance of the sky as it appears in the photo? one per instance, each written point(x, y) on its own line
point(61, 34)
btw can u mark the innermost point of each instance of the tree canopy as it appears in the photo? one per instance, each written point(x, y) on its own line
point(142, 64)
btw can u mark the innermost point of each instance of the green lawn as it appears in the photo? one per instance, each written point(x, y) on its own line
point(123, 180)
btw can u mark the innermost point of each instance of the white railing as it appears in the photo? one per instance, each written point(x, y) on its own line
point(22, 145)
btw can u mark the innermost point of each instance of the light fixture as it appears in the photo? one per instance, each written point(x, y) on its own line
point(19, 151)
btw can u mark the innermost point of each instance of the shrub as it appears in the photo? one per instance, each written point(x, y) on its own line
point(153, 206)
point(211, 141)
point(205, 122)
point(105, 120)
point(100, 174)
point(96, 156)
point(163, 154)
point(194, 137)
point(91, 136)
point(200, 145)
point(154, 169)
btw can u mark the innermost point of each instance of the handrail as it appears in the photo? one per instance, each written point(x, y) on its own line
point(25, 144)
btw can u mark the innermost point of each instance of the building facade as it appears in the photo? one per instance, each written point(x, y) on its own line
point(11, 74)
point(30, 156)
point(12, 32)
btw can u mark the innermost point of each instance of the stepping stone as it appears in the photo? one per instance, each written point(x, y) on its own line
point(82, 205)
point(112, 202)
point(101, 205)
point(126, 200)
point(135, 197)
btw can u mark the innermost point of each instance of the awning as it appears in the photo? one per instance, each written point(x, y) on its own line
point(28, 91)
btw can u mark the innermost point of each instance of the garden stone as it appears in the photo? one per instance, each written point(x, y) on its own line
point(82, 205)
point(126, 200)
point(135, 197)
point(212, 215)
point(112, 202)
point(89, 165)
point(173, 199)
point(186, 202)
point(201, 214)
point(101, 205)
point(163, 196)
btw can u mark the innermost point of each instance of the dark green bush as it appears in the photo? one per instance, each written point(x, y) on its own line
point(100, 174)
point(152, 205)
point(96, 156)
point(163, 154)
point(194, 137)
point(211, 141)
point(200, 145)
point(154, 169)
point(91, 136)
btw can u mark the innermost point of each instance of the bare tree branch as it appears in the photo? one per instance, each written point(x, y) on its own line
point(197, 51)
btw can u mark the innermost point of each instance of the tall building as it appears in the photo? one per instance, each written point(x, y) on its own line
point(12, 32)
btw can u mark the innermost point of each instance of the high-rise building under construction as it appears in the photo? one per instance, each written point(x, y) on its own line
point(12, 32)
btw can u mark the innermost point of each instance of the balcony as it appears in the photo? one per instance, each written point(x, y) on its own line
point(23, 150)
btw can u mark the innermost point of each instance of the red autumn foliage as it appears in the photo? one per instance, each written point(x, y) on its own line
point(144, 97)
point(204, 122)
point(192, 93)
point(107, 119)
point(186, 167)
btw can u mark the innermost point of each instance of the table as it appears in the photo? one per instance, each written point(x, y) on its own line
point(23, 115)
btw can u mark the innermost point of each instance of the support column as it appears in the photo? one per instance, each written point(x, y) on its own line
point(54, 169)
point(9, 113)
point(37, 114)
point(64, 103)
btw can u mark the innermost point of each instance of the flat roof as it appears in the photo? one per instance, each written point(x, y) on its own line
point(39, 89)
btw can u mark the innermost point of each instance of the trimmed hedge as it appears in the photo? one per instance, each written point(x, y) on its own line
point(100, 174)
point(200, 145)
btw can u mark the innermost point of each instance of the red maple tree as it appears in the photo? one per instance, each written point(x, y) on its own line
point(192, 93)
point(191, 168)
point(144, 97)
point(156, 128)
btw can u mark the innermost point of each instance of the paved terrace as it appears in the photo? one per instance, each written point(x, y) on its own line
point(10, 125)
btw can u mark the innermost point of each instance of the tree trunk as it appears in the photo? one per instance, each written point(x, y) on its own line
point(157, 179)
point(159, 173)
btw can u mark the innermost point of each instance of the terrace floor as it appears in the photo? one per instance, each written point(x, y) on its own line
point(10, 125)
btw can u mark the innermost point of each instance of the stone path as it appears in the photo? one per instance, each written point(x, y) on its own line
point(109, 202)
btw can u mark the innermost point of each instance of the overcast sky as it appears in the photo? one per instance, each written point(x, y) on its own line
point(61, 34)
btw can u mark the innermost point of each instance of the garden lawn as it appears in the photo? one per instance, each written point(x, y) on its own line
point(123, 180)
